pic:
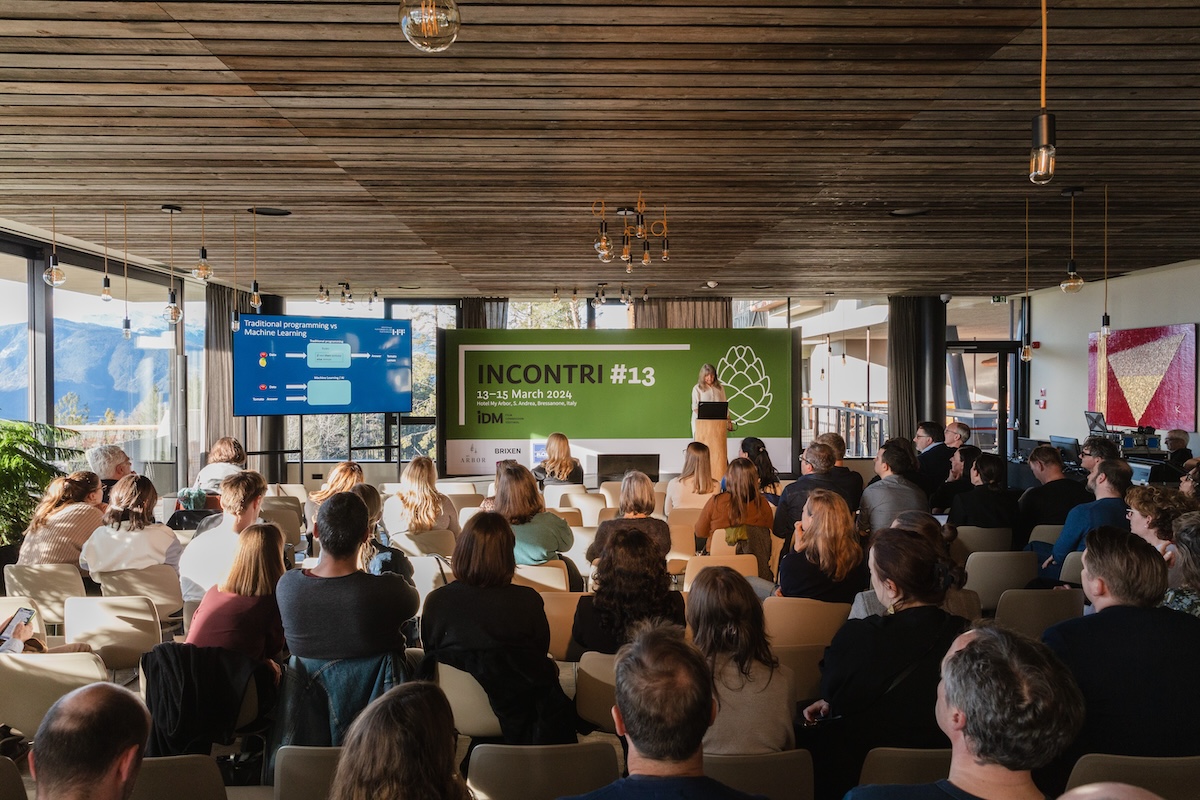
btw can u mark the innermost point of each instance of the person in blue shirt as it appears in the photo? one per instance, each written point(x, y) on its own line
point(1110, 478)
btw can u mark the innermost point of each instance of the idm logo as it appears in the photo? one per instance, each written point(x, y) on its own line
point(486, 417)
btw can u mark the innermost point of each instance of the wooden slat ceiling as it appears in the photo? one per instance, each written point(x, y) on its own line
point(778, 135)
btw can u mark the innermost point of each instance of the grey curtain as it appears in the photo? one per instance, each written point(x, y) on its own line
point(218, 363)
point(904, 351)
point(709, 312)
point(485, 312)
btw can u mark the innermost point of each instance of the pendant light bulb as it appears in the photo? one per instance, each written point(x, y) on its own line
point(172, 313)
point(646, 294)
point(1073, 283)
point(629, 268)
point(235, 321)
point(646, 253)
point(606, 255)
point(1026, 353)
point(255, 297)
point(53, 275)
point(555, 296)
point(322, 298)
point(666, 250)
point(126, 331)
point(1041, 153)
point(429, 25)
point(203, 270)
point(106, 290)
point(1105, 326)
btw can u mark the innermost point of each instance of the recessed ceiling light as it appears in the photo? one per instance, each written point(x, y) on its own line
point(763, 286)
point(265, 211)
point(1071, 191)
point(170, 208)
point(830, 294)
point(709, 285)
point(908, 212)
point(409, 288)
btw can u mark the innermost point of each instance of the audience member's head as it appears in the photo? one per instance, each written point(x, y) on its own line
point(664, 693)
point(258, 564)
point(240, 492)
point(372, 500)
point(558, 464)
point(990, 471)
point(1122, 569)
point(818, 458)
point(343, 525)
point(926, 524)
point(1187, 544)
point(637, 494)
point(1153, 511)
point(227, 450)
point(517, 497)
point(1110, 477)
point(131, 499)
point(756, 451)
point(834, 440)
point(741, 482)
point(483, 554)
point(631, 581)
point(90, 744)
point(402, 745)
point(1097, 448)
point(78, 487)
point(928, 432)
point(1188, 483)
point(697, 465)
point(957, 434)
point(109, 461)
point(963, 460)
point(1046, 463)
point(341, 478)
point(1176, 439)
point(908, 569)
point(896, 457)
point(1019, 705)
point(827, 535)
point(726, 619)
point(418, 494)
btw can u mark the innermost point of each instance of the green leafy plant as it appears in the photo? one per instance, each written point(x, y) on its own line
point(28, 451)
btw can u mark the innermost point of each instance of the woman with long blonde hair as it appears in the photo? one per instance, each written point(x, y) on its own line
point(344, 476)
point(827, 562)
point(708, 389)
point(695, 485)
point(744, 513)
point(70, 510)
point(417, 505)
point(559, 468)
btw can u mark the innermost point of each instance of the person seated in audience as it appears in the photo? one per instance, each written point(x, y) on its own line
point(70, 510)
point(1189, 482)
point(1008, 705)
point(1176, 443)
point(129, 537)
point(1132, 659)
point(744, 513)
point(226, 457)
point(631, 583)
point(335, 609)
point(695, 485)
point(665, 703)
point(1186, 596)
point(817, 463)
point(989, 504)
point(1109, 480)
point(847, 482)
point(756, 701)
point(1096, 449)
point(111, 463)
point(403, 745)
point(241, 613)
point(1052, 499)
point(827, 561)
point(208, 557)
point(417, 505)
point(484, 624)
point(893, 492)
point(880, 673)
point(90, 745)
point(489, 503)
point(559, 468)
point(343, 477)
point(755, 451)
point(540, 535)
point(636, 506)
point(1152, 514)
point(933, 455)
point(959, 481)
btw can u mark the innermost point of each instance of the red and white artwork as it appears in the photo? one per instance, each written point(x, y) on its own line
point(1147, 377)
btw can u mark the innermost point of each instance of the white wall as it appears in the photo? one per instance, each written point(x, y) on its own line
point(1061, 322)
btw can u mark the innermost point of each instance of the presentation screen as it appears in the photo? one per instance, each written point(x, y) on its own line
point(624, 392)
point(321, 365)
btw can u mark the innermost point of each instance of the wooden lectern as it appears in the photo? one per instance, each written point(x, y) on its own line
point(714, 433)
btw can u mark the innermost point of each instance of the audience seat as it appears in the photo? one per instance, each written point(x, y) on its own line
point(429, 572)
point(596, 690)
point(30, 684)
point(548, 577)
point(473, 715)
point(744, 564)
point(589, 506)
point(683, 547)
point(805, 662)
point(289, 520)
point(1045, 533)
point(305, 773)
point(119, 629)
point(296, 490)
point(607, 513)
point(560, 613)
point(553, 495)
point(612, 493)
point(48, 585)
point(684, 516)
point(457, 487)
point(801, 620)
point(660, 503)
point(541, 772)
point(425, 543)
point(192, 777)
point(989, 574)
point(777, 776)
point(572, 516)
point(1072, 568)
point(1172, 778)
point(905, 765)
point(984, 540)
point(463, 500)
point(11, 785)
point(1032, 611)
point(583, 539)
point(464, 515)
point(9, 606)
point(160, 583)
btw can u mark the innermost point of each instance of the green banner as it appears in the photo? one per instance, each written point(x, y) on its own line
point(611, 384)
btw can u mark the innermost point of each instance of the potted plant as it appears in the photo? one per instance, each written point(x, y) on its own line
point(28, 451)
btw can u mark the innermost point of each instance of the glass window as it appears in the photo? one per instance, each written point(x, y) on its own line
point(195, 320)
point(14, 337)
point(563, 314)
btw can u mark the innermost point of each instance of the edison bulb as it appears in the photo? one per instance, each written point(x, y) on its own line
point(666, 250)
point(255, 297)
point(106, 290)
point(606, 256)
point(235, 321)
point(126, 331)
point(429, 25)
point(1073, 282)
point(1026, 353)
point(172, 314)
point(53, 274)
point(203, 270)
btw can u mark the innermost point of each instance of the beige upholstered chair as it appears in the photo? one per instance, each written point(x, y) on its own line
point(425, 543)
point(1172, 778)
point(905, 765)
point(801, 620)
point(48, 585)
point(555, 494)
point(541, 772)
point(744, 564)
point(990, 574)
point(1072, 568)
point(288, 519)
point(429, 572)
point(119, 629)
point(548, 577)
point(984, 540)
point(612, 493)
point(160, 583)
point(11, 785)
point(456, 487)
point(596, 690)
point(1031, 611)
point(589, 505)
point(191, 777)
point(473, 715)
point(1045, 533)
point(560, 613)
point(777, 776)
point(607, 513)
point(9, 606)
point(30, 684)
point(305, 773)
point(805, 663)
point(460, 500)
point(572, 516)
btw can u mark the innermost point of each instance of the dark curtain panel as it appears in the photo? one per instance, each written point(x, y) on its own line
point(904, 370)
point(485, 312)
point(709, 312)
point(218, 362)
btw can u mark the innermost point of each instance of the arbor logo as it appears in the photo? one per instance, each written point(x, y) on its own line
point(747, 384)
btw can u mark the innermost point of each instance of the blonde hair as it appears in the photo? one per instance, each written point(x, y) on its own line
point(227, 450)
point(239, 491)
point(741, 484)
point(258, 563)
point(558, 463)
point(831, 541)
point(341, 478)
point(705, 370)
point(63, 491)
point(371, 499)
point(419, 495)
point(637, 494)
point(698, 466)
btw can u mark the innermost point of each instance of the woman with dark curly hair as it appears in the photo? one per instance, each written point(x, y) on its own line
point(632, 584)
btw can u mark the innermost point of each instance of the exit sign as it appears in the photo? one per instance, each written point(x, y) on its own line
point(999, 299)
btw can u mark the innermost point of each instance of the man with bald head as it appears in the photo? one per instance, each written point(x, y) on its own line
point(90, 745)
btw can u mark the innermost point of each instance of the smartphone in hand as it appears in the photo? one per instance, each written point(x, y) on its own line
point(22, 617)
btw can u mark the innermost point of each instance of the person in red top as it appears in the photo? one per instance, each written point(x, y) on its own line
point(240, 613)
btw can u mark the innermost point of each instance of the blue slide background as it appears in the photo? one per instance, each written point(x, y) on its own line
point(301, 365)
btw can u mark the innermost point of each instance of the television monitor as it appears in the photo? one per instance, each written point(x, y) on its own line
point(1069, 448)
point(1095, 422)
point(321, 365)
point(610, 467)
point(1025, 446)
point(712, 410)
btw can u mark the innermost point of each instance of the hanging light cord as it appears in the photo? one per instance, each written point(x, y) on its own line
point(106, 243)
point(125, 254)
point(1072, 226)
point(235, 286)
point(53, 231)
point(1106, 248)
point(1043, 54)
point(254, 211)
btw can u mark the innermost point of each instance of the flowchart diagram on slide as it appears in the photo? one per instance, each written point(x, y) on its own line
point(304, 365)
